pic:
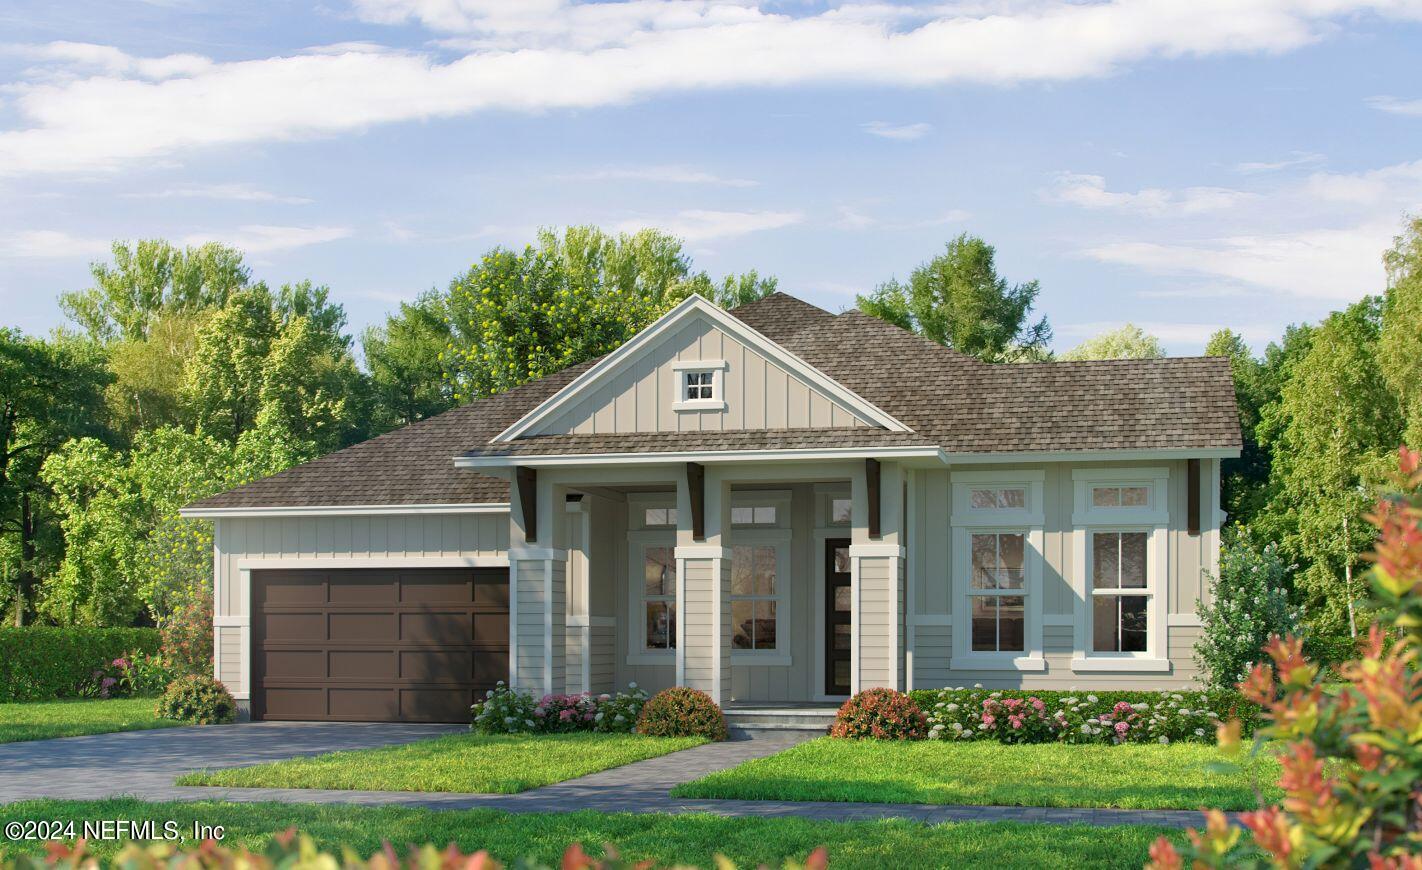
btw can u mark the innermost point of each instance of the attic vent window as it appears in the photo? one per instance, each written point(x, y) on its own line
point(699, 385)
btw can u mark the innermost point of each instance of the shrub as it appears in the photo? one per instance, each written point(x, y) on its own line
point(201, 700)
point(148, 674)
point(682, 712)
point(504, 711)
point(559, 714)
point(41, 663)
point(1018, 716)
point(1249, 603)
point(1353, 758)
point(187, 637)
point(883, 714)
point(619, 712)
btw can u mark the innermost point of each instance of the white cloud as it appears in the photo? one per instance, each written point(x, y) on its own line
point(1296, 158)
point(1397, 187)
point(657, 175)
point(902, 132)
point(51, 244)
point(1396, 106)
point(851, 218)
point(263, 239)
point(1089, 191)
point(699, 225)
point(236, 192)
point(93, 107)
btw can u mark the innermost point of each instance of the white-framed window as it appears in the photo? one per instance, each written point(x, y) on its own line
point(754, 515)
point(699, 385)
point(997, 539)
point(1119, 541)
point(658, 516)
point(760, 595)
point(651, 578)
point(841, 510)
point(658, 598)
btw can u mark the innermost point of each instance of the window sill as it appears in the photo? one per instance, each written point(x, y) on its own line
point(651, 658)
point(996, 663)
point(760, 659)
point(1121, 665)
point(699, 405)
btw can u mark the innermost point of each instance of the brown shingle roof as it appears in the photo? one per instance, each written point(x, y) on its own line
point(947, 398)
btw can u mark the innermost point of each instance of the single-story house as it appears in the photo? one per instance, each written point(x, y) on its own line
point(774, 504)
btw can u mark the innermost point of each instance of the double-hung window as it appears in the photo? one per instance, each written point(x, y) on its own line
point(659, 597)
point(651, 578)
point(760, 576)
point(754, 588)
point(1119, 535)
point(996, 603)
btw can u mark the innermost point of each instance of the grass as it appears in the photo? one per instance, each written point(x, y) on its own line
point(666, 839)
point(41, 720)
point(1132, 776)
point(500, 764)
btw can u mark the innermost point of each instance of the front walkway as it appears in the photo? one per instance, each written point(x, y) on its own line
point(143, 764)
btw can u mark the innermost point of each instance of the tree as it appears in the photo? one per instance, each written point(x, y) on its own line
point(1245, 476)
point(405, 359)
point(737, 290)
point(1330, 434)
point(958, 299)
point(518, 316)
point(148, 373)
point(49, 391)
point(1125, 342)
point(150, 278)
point(1249, 603)
point(1400, 341)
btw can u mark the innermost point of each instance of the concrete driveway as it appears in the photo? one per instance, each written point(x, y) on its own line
point(145, 763)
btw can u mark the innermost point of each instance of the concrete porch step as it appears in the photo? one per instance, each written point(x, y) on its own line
point(745, 718)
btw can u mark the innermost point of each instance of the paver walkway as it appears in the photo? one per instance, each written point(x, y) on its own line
point(145, 763)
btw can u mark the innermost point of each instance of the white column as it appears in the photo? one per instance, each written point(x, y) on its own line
point(538, 572)
point(877, 583)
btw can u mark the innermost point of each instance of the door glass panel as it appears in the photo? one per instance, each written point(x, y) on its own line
point(660, 571)
point(841, 599)
point(841, 672)
point(841, 637)
point(841, 560)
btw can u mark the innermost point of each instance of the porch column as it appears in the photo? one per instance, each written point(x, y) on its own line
point(703, 573)
point(877, 581)
point(538, 571)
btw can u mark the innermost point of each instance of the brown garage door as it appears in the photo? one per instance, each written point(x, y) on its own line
point(375, 645)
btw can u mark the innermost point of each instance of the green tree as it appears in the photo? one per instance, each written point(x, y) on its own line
point(1332, 434)
point(1246, 476)
point(737, 290)
point(405, 360)
point(1400, 341)
point(150, 278)
point(518, 316)
point(1249, 603)
point(148, 373)
point(1125, 342)
point(49, 392)
point(959, 300)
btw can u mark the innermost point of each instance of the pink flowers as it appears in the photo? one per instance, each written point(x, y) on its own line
point(1122, 728)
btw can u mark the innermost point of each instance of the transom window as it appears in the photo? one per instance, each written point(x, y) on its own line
point(997, 591)
point(1120, 592)
point(841, 510)
point(758, 515)
point(698, 385)
point(1120, 496)
point(659, 597)
point(753, 597)
point(992, 498)
point(659, 517)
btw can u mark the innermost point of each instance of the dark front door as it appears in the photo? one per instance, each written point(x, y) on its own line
point(402, 645)
point(837, 617)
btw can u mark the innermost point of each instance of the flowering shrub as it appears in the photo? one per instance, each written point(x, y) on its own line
point(619, 712)
point(1352, 767)
point(1249, 603)
point(682, 712)
point(882, 714)
point(505, 711)
point(148, 673)
point(1015, 716)
point(562, 713)
point(201, 700)
point(187, 637)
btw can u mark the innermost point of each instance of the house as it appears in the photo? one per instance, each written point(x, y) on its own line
point(772, 504)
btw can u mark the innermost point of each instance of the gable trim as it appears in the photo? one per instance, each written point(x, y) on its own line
point(737, 329)
point(704, 456)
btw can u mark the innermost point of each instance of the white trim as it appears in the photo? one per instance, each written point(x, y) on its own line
point(548, 628)
point(1155, 480)
point(538, 554)
point(699, 365)
point(699, 404)
point(911, 566)
point(555, 460)
point(823, 534)
point(1031, 514)
point(856, 588)
point(680, 618)
point(782, 540)
point(1008, 475)
point(257, 563)
point(1097, 664)
point(1183, 620)
point(995, 662)
point(1122, 455)
point(343, 510)
point(636, 634)
point(1034, 558)
point(513, 626)
point(702, 551)
point(219, 604)
point(876, 551)
point(244, 634)
point(592, 621)
point(230, 621)
point(646, 339)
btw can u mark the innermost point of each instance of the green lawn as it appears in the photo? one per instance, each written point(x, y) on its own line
point(667, 839)
point(41, 720)
point(1134, 776)
point(502, 764)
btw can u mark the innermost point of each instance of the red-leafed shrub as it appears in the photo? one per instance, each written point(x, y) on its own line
point(882, 714)
point(682, 712)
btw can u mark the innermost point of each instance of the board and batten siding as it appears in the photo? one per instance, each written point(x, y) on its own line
point(410, 539)
point(759, 393)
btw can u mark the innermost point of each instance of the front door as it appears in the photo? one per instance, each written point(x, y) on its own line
point(837, 616)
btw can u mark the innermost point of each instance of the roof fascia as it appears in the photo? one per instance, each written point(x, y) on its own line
point(343, 510)
point(555, 460)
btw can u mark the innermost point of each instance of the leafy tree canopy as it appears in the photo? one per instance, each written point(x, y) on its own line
point(1400, 340)
point(958, 299)
point(1125, 342)
point(405, 360)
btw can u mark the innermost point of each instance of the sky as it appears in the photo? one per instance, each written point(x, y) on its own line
point(1180, 164)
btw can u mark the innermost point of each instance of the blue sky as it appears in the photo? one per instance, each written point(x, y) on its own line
point(1181, 165)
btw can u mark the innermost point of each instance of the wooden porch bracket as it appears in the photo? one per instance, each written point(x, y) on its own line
point(527, 481)
point(696, 488)
point(1192, 497)
point(871, 479)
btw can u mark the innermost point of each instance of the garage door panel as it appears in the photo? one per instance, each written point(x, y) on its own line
point(377, 645)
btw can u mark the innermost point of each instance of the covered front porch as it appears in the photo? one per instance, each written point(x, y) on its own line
point(764, 584)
